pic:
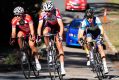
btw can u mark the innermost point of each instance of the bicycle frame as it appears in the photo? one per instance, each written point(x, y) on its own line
point(52, 51)
point(29, 64)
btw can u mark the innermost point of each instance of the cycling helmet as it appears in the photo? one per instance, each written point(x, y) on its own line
point(89, 13)
point(48, 6)
point(18, 10)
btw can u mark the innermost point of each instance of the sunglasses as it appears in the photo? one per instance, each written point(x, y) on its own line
point(90, 17)
point(47, 11)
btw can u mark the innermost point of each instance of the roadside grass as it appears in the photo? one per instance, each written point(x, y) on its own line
point(114, 1)
point(112, 28)
point(112, 24)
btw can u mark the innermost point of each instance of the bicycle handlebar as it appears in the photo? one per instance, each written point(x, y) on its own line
point(48, 35)
point(96, 40)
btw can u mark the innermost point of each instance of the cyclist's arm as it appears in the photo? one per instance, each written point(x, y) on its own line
point(32, 28)
point(29, 19)
point(13, 23)
point(81, 30)
point(59, 20)
point(39, 27)
point(99, 25)
point(13, 35)
point(61, 27)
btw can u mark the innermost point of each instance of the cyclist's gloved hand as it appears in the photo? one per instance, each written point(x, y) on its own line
point(12, 41)
point(81, 41)
point(32, 38)
point(38, 40)
point(60, 38)
point(101, 36)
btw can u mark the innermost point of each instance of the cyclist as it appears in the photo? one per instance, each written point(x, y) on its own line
point(50, 21)
point(24, 23)
point(91, 28)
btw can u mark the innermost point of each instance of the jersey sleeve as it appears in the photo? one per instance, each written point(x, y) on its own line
point(83, 24)
point(41, 15)
point(14, 22)
point(58, 13)
point(28, 18)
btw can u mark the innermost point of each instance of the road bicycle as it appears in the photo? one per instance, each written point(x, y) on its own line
point(96, 60)
point(28, 64)
point(52, 53)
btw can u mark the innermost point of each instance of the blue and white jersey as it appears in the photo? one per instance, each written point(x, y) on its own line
point(95, 23)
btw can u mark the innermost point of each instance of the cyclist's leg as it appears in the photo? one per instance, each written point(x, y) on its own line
point(102, 53)
point(35, 53)
point(46, 31)
point(20, 34)
point(46, 40)
point(61, 54)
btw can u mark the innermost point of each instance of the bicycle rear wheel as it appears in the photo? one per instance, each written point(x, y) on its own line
point(25, 65)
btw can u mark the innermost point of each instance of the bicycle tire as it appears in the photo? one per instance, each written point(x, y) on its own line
point(33, 67)
point(25, 66)
point(57, 65)
point(50, 65)
point(58, 68)
point(98, 65)
point(101, 65)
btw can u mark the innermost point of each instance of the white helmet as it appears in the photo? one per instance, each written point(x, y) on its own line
point(18, 10)
point(48, 6)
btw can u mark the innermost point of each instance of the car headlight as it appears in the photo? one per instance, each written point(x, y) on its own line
point(70, 34)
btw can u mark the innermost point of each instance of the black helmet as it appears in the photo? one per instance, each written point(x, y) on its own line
point(89, 13)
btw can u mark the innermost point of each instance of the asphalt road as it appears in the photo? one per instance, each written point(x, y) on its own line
point(75, 58)
point(75, 65)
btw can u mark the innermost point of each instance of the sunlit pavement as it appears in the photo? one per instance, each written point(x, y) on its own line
point(75, 65)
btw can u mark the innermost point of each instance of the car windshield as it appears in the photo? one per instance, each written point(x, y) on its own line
point(75, 24)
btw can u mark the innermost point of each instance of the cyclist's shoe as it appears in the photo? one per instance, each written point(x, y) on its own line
point(63, 72)
point(38, 66)
point(88, 63)
point(106, 70)
point(23, 57)
point(105, 67)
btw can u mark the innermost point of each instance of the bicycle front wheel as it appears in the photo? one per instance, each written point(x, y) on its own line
point(25, 65)
point(33, 66)
point(98, 66)
point(58, 69)
point(51, 67)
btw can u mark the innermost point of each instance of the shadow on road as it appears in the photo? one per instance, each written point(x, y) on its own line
point(111, 76)
point(75, 59)
point(10, 77)
point(113, 57)
point(76, 79)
